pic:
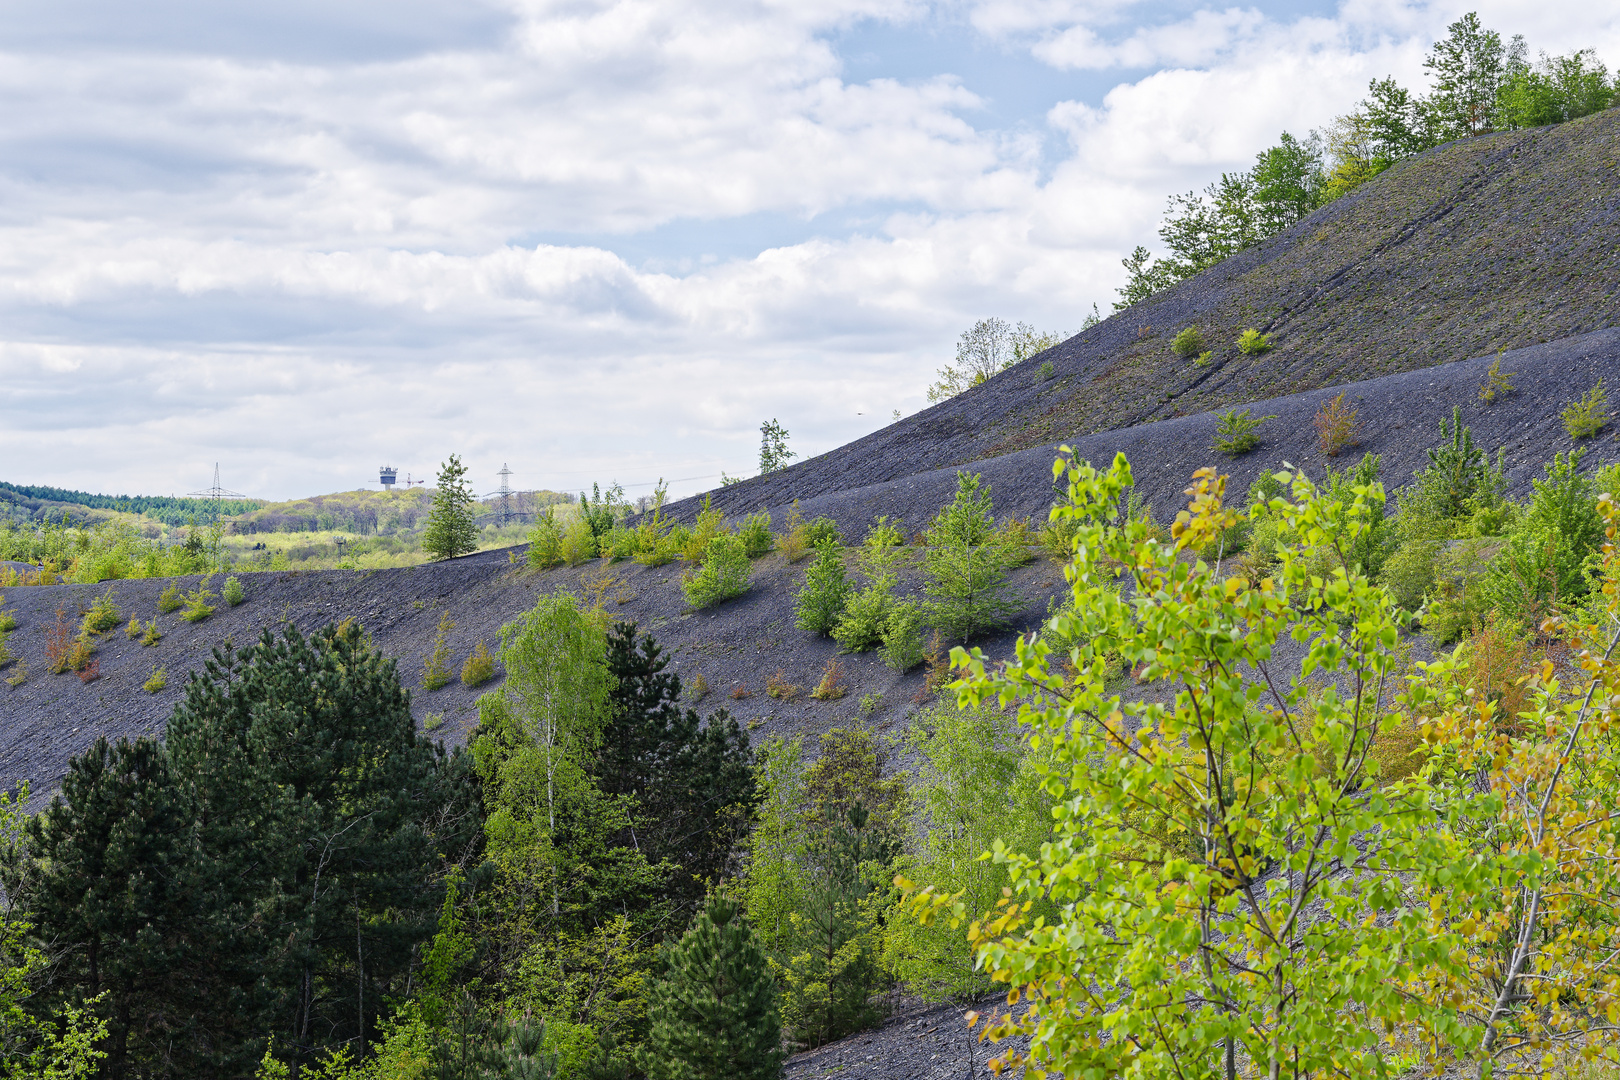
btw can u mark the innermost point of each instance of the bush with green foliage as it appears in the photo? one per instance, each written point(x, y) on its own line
point(903, 636)
point(820, 529)
point(821, 600)
point(197, 606)
point(723, 575)
point(708, 524)
point(169, 599)
point(867, 612)
point(1237, 432)
point(1252, 342)
point(1588, 414)
point(578, 543)
point(153, 635)
point(1338, 425)
point(755, 535)
point(713, 1013)
point(479, 666)
point(436, 668)
point(545, 540)
point(1550, 556)
point(233, 593)
point(102, 616)
point(1188, 343)
point(156, 681)
point(450, 529)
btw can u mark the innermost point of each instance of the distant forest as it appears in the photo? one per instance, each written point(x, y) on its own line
point(165, 508)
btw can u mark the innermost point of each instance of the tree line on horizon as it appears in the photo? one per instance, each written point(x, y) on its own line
point(1478, 85)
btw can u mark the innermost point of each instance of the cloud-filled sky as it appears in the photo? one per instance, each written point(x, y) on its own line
point(596, 239)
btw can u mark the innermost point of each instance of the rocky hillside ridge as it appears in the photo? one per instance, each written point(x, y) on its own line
point(1487, 244)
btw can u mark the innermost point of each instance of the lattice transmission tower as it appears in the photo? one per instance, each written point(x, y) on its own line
point(215, 495)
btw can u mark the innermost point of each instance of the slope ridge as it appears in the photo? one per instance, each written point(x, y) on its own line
point(1487, 244)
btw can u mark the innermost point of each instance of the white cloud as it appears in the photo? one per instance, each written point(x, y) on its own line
point(301, 267)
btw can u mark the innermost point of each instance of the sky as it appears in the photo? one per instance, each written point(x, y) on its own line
point(597, 240)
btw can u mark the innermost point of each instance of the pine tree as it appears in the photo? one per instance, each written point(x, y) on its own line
point(107, 875)
point(713, 1015)
point(693, 782)
point(450, 530)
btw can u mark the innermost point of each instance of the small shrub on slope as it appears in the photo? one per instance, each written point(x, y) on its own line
point(436, 671)
point(1338, 425)
point(479, 667)
point(169, 599)
point(102, 616)
point(1586, 416)
point(1188, 343)
point(821, 600)
point(1252, 342)
point(724, 574)
point(755, 535)
point(233, 593)
point(197, 606)
point(1238, 432)
point(1498, 383)
point(545, 541)
point(831, 687)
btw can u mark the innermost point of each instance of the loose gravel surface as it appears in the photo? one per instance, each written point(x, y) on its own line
point(1399, 414)
point(1497, 243)
point(918, 1041)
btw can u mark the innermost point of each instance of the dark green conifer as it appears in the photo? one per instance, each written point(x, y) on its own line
point(692, 781)
point(713, 1014)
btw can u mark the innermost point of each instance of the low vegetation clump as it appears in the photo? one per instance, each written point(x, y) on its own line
point(1338, 425)
point(722, 576)
point(233, 594)
point(755, 535)
point(1188, 344)
point(152, 635)
point(832, 685)
point(778, 688)
point(102, 616)
point(19, 675)
point(1238, 432)
point(169, 600)
point(1588, 414)
point(155, 681)
point(197, 607)
point(479, 666)
point(1498, 383)
point(436, 669)
point(820, 602)
point(1252, 342)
